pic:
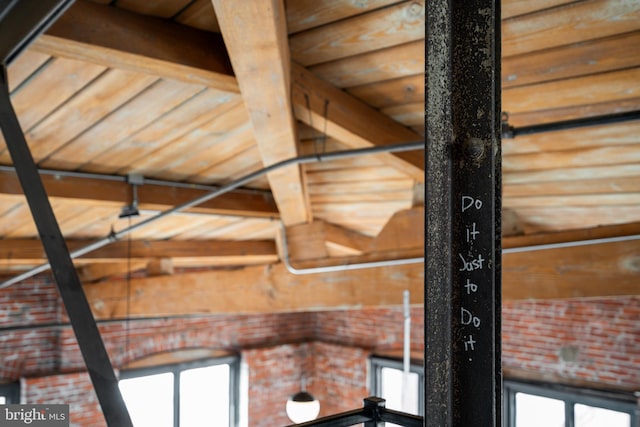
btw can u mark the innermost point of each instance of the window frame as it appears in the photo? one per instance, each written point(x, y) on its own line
point(234, 381)
point(11, 391)
point(571, 396)
point(376, 364)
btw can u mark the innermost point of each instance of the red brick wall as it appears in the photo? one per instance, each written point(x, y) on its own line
point(73, 389)
point(595, 341)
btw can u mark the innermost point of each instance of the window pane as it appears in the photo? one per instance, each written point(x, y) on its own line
point(536, 411)
point(204, 396)
point(590, 416)
point(149, 399)
point(391, 386)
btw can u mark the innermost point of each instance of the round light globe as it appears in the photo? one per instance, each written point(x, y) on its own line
point(302, 407)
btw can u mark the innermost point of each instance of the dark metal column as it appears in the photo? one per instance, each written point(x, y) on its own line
point(20, 23)
point(75, 302)
point(462, 266)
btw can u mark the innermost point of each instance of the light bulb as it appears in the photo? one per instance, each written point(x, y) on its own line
point(302, 407)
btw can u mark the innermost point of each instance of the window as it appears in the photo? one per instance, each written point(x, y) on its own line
point(529, 405)
point(386, 382)
point(203, 393)
point(9, 393)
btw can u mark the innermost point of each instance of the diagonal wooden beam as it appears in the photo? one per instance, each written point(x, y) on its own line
point(255, 34)
point(328, 109)
point(150, 196)
point(120, 39)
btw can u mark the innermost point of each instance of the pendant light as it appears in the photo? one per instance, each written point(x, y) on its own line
point(302, 407)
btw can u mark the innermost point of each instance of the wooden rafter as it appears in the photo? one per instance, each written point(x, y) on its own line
point(150, 196)
point(30, 250)
point(255, 35)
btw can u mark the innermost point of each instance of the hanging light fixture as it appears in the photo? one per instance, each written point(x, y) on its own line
point(302, 407)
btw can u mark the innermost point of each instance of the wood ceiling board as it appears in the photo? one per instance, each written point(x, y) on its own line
point(571, 139)
point(512, 8)
point(612, 185)
point(405, 90)
point(98, 99)
point(354, 123)
point(581, 59)
point(601, 156)
point(574, 112)
point(25, 66)
point(407, 114)
point(256, 38)
point(140, 112)
point(394, 25)
point(579, 200)
point(228, 158)
point(227, 118)
point(199, 15)
point(382, 196)
point(191, 116)
point(379, 65)
point(572, 23)
point(161, 9)
point(15, 213)
point(117, 38)
point(605, 87)
point(59, 80)
point(357, 187)
point(305, 14)
point(571, 174)
point(353, 175)
point(236, 167)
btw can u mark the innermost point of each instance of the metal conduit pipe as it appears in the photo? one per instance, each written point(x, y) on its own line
point(416, 260)
point(313, 158)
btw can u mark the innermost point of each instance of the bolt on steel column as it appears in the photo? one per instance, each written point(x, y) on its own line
point(463, 249)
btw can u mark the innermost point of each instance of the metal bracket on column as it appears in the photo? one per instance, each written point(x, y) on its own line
point(21, 22)
point(462, 295)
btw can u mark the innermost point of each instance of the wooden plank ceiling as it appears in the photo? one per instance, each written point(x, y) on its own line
point(196, 94)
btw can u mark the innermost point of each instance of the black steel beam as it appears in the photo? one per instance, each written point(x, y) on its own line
point(24, 20)
point(69, 286)
point(462, 249)
point(20, 23)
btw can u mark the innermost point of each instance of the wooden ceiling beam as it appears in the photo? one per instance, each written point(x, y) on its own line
point(611, 269)
point(326, 108)
point(102, 35)
point(255, 35)
point(30, 251)
point(150, 196)
point(121, 39)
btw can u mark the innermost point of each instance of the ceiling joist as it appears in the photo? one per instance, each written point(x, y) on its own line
point(96, 191)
